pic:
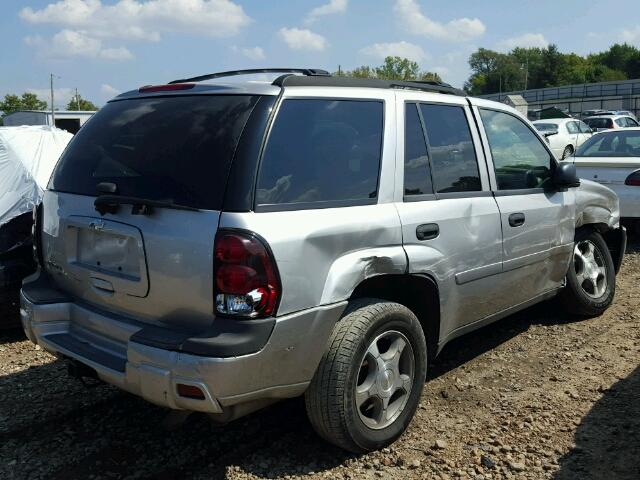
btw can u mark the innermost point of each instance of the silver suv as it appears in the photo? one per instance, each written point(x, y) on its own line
point(215, 247)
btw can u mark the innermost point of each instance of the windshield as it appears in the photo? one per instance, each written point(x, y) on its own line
point(171, 149)
point(624, 143)
point(599, 122)
point(546, 127)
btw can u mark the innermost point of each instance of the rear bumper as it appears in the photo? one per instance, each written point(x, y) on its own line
point(148, 361)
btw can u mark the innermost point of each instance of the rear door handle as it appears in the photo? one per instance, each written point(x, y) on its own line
point(516, 219)
point(427, 231)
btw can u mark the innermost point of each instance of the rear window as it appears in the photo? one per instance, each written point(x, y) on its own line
point(546, 127)
point(599, 122)
point(620, 143)
point(322, 150)
point(176, 149)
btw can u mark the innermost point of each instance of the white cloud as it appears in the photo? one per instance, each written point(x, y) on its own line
point(254, 53)
point(302, 39)
point(143, 20)
point(71, 43)
point(85, 24)
point(414, 21)
point(400, 49)
point(631, 36)
point(526, 40)
point(109, 91)
point(333, 7)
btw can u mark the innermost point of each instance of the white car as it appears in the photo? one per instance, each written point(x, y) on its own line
point(611, 122)
point(612, 158)
point(564, 135)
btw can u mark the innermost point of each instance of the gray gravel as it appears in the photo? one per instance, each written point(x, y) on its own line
point(538, 395)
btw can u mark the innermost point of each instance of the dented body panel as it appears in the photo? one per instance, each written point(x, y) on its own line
point(596, 204)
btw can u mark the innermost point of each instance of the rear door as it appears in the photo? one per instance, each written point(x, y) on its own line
point(537, 220)
point(450, 221)
point(153, 265)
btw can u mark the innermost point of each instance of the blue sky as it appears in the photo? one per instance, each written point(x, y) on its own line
point(102, 47)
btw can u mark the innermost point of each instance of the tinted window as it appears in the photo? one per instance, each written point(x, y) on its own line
point(599, 122)
point(453, 158)
point(572, 127)
point(174, 148)
point(631, 122)
point(519, 158)
point(417, 177)
point(612, 144)
point(322, 150)
point(621, 122)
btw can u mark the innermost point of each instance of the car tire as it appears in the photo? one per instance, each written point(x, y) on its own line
point(591, 279)
point(358, 369)
point(567, 152)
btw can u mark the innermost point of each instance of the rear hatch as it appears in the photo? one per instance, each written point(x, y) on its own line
point(149, 257)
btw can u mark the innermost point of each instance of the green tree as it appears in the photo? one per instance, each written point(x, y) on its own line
point(79, 103)
point(393, 68)
point(28, 101)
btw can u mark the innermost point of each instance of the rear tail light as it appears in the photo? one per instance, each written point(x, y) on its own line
point(246, 278)
point(36, 234)
point(633, 179)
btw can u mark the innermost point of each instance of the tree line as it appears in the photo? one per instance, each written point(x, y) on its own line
point(393, 68)
point(30, 101)
point(527, 68)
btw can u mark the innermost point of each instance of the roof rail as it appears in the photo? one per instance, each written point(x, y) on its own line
point(232, 73)
point(330, 81)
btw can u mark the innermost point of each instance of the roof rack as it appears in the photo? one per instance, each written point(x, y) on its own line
point(311, 72)
point(330, 81)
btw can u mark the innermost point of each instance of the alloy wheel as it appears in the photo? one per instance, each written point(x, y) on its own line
point(590, 268)
point(384, 379)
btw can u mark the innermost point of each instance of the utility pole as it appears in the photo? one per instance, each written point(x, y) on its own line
point(53, 114)
point(77, 100)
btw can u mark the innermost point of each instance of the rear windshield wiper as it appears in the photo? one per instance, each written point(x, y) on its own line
point(141, 206)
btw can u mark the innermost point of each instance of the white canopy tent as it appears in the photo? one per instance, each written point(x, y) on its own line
point(28, 155)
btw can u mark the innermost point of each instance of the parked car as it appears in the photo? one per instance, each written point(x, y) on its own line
point(565, 135)
point(593, 113)
point(612, 158)
point(216, 246)
point(607, 122)
point(625, 113)
point(27, 157)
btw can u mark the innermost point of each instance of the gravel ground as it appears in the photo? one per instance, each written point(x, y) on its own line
point(537, 395)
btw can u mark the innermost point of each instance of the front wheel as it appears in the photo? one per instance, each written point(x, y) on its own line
point(591, 279)
point(369, 381)
point(567, 152)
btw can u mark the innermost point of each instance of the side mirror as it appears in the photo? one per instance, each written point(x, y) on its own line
point(565, 175)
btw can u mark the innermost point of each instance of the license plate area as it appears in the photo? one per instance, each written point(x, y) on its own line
point(108, 255)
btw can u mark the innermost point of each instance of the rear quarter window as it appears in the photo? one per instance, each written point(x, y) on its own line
point(322, 151)
point(176, 149)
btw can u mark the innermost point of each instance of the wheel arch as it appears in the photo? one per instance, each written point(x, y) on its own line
point(419, 293)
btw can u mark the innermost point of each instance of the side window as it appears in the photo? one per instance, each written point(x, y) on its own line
point(621, 122)
point(453, 158)
point(572, 127)
point(631, 122)
point(417, 175)
point(322, 150)
point(584, 128)
point(519, 158)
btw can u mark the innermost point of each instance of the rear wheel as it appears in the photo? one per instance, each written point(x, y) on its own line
point(368, 384)
point(591, 280)
point(567, 152)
